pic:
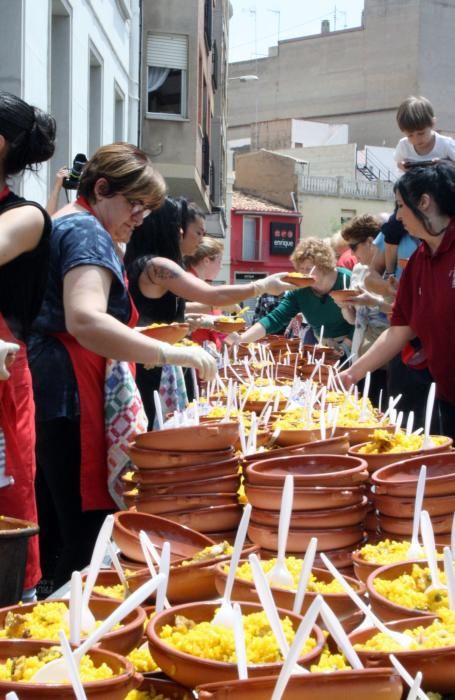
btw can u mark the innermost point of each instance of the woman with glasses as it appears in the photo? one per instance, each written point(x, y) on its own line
point(88, 317)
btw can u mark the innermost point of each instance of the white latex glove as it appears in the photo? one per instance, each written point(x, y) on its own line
point(200, 321)
point(272, 285)
point(5, 350)
point(231, 308)
point(233, 338)
point(188, 357)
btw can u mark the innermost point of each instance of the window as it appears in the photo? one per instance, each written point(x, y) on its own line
point(119, 109)
point(95, 93)
point(167, 62)
point(251, 238)
point(347, 215)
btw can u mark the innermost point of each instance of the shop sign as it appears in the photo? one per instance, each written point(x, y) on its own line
point(282, 238)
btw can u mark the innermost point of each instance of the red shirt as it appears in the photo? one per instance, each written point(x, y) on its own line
point(426, 302)
point(347, 260)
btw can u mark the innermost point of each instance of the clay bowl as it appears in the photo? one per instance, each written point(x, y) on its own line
point(184, 542)
point(191, 438)
point(330, 354)
point(385, 609)
point(258, 406)
point(315, 519)
point(279, 342)
point(376, 461)
point(192, 671)
point(320, 375)
point(160, 685)
point(224, 484)
point(344, 295)
point(305, 498)
point(363, 568)
point(171, 333)
point(437, 665)
point(361, 433)
point(443, 537)
point(234, 326)
point(196, 472)
point(192, 582)
point(299, 538)
point(208, 519)
point(298, 280)
point(372, 683)
point(400, 478)
point(119, 641)
point(338, 445)
point(340, 603)
point(287, 438)
point(115, 688)
point(403, 506)
point(403, 526)
point(273, 452)
point(156, 459)
point(308, 470)
point(106, 577)
point(173, 503)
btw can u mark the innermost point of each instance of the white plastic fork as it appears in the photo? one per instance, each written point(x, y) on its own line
point(427, 441)
point(430, 552)
point(305, 573)
point(450, 577)
point(224, 615)
point(11, 696)
point(414, 548)
point(403, 640)
point(406, 676)
point(335, 628)
point(73, 671)
point(239, 640)
point(364, 412)
point(279, 575)
point(452, 537)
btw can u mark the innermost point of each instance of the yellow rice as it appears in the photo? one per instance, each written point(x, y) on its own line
point(409, 590)
point(294, 566)
point(383, 442)
point(142, 660)
point(441, 633)
point(21, 669)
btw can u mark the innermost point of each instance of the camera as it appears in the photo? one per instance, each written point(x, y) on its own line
point(72, 181)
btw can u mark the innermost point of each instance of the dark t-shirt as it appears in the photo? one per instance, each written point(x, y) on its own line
point(77, 239)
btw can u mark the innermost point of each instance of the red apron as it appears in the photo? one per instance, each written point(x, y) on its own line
point(17, 419)
point(90, 369)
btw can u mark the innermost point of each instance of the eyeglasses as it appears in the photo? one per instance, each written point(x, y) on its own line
point(137, 207)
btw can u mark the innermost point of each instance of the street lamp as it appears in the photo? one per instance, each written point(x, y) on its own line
point(244, 78)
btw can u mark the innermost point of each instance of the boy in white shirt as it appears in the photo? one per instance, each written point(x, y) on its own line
point(422, 145)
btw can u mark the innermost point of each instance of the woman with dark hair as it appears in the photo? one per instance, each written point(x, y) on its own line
point(425, 302)
point(87, 321)
point(159, 286)
point(27, 138)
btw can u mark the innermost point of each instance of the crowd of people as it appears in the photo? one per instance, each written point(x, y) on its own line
point(123, 254)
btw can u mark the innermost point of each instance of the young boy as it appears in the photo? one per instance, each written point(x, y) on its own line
point(421, 144)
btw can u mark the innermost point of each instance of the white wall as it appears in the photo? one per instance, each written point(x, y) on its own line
point(310, 133)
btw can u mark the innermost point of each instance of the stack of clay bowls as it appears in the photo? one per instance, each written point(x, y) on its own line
point(394, 493)
point(329, 503)
point(189, 475)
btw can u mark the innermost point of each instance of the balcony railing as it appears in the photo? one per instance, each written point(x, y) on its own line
point(206, 160)
point(344, 187)
point(208, 25)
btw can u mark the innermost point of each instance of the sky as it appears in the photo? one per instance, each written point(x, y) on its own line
point(256, 24)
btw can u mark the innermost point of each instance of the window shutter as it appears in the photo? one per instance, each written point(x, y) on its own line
point(167, 51)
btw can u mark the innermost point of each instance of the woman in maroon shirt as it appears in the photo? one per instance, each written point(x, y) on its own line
point(425, 302)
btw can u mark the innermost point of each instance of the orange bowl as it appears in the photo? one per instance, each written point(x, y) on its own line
point(175, 503)
point(191, 670)
point(338, 445)
point(236, 325)
point(299, 280)
point(315, 519)
point(214, 435)
point(308, 470)
point(361, 433)
point(299, 539)
point(403, 506)
point(226, 484)
point(119, 641)
point(115, 688)
point(287, 438)
point(340, 603)
point(363, 568)
point(167, 333)
point(371, 683)
point(195, 472)
point(209, 519)
point(184, 542)
point(160, 685)
point(146, 459)
point(306, 498)
point(400, 478)
point(437, 665)
point(376, 461)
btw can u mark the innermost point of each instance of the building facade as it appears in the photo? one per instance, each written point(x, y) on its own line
point(78, 60)
point(183, 90)
point(355, 76)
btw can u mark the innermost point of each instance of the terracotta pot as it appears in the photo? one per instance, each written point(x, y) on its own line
point(184, 542)
point(320, 375)
point(299, 539)
point(437, 665)
point(376, 461)
point(315, 519)
point(386, 609)
point(258, 406)
point(306, 498)
point(211, 518)
point(115, 688)
point(338, 445)
point(106, 577)
point(403, 526)
point(273, 453)
point(363, 568)
point(192, 671)
point(119, 641)
point(146, 459)
point(344, 295)
point(400, 478)
point(224, 484)
point(234, 326)
point(308, 470)
point(361, 433)
point(160, 685)
point(170, 333)
point(374, 684)
point(191, 438)
point(403, 506)
point(340, 603)
point(196, 472)
point(192, 582)
point(330, 354)
point(164, 505)
point(287, 438)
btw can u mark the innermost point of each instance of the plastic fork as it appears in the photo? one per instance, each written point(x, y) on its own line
point(450, 576)
point(11, 696)
point(224, 615)
point(402, 639)
point(430, 552)
point(75, 606)
point(118, 568)
point(339, 635)
point(406, 676)
point(158, 410)
point(414, 548)
point(427, 441)
point(305, 572)
point(73, 671)
point(239, 640)
point(364, 412)
point(279, 575)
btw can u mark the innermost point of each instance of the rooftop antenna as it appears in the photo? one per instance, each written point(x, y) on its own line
point(278, 13)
